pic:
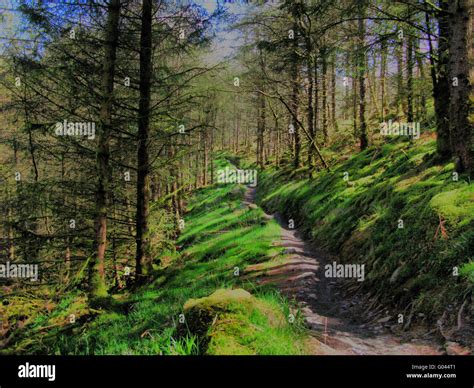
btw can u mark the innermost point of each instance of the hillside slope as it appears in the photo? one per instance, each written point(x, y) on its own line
point(198, 303)
point(409, 220)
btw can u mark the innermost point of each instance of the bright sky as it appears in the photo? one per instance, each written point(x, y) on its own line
point(225, 41)
point(223, 45)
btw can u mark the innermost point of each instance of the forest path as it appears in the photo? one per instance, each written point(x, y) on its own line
point(335, 322)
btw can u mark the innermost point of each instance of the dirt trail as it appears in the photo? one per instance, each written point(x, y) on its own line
point(336, 324)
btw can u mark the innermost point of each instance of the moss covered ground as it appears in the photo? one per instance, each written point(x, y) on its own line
point(409, 219)
point(220, 238)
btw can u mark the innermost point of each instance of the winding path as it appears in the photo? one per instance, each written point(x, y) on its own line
point(337, 325)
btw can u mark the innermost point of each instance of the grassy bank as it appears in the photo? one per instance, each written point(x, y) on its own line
point(220, 238)
point(393, 209)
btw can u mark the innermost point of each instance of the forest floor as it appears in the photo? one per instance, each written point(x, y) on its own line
point(382, 209)
point(251, 275)
point(334, 320)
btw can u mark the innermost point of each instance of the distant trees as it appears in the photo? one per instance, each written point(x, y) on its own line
point(118, 68)
point(374, 61)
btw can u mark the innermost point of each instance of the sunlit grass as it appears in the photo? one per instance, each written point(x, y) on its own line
point(220, 235)
point(358, 219)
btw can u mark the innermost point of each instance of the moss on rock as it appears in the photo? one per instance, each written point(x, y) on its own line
point(235, 322)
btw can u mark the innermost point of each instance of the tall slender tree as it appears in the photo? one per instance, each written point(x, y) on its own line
point(97, 284)
point(461, 107)
point(363, 141)
point(143, 254)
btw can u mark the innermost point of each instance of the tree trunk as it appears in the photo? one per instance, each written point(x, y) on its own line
point(143, 255)
point(260, 130)
point(383, 72)
point(361, 69)
point(333, 92)
point(400, 91)
point(439, 75)
point(354, 105)
point(324, 69)
point(461, 106)
point(11, 235)
point(205, 161)
point(409, 87)
point(347, 99)
point(294, 103)
point(316, 99)
point(97, 284)
point(310, 99)
point(421, 75)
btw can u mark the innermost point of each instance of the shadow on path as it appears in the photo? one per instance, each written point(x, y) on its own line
point(335, 325)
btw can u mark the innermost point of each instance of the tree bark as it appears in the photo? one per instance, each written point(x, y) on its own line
point(294, 98)
point(383, 72)
point(409, 85)
point(362, 71)
point(333, 92)
point(324, 69)
point(459, 67)
point(310, 98)
point(399, 78)
point(97, 284)
point(421, 75)
point(439, 75)
point(316, 98)
point(143, 254)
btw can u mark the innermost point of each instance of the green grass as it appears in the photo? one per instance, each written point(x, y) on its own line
point(237, 323)
point(358, 220)
point(220, 235)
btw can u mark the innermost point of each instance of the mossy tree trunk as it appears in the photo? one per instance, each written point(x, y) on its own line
point(143, 253)
point(383, 72)
point(363, 141)
point(310, 112)
point(324, 70)
point(459, 66)
point(409, 84)
point(439, 76)
point(97, 284)
point(294, 97)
